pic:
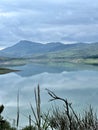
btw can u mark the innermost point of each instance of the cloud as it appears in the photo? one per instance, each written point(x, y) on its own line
point(84, 33)
point(47, 21)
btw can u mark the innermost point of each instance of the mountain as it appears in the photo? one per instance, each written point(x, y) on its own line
point(51, 53)
point(77, 53)
point(80, 50)
point(23, 48)
point(27, 48)
point(55, 50)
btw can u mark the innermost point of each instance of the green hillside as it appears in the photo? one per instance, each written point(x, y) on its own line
point(80, 53)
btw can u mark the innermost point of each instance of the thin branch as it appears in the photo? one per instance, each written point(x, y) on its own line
point(34, 113)
point(67, 106)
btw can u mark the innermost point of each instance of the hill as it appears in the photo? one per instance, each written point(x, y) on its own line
point(51, 52)
point(76, 53)
point(27, 48)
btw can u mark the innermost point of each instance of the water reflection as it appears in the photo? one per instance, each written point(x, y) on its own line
point(79, 86)
point(34, 69)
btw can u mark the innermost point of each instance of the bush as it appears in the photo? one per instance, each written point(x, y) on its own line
point(29, 128)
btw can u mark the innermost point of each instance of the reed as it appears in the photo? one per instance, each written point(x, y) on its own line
point(67, 119)
point(56, 118)
point(37, 113)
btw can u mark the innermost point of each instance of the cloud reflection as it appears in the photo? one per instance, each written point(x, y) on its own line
point(74, 85)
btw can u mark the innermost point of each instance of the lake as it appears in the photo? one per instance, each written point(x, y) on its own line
point(77, 83)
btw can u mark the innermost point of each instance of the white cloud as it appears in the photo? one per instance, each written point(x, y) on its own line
point(51, 20)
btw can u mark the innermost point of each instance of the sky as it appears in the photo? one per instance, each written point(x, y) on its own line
point(66, 21)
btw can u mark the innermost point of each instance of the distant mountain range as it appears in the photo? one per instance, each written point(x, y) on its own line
point(25, 49)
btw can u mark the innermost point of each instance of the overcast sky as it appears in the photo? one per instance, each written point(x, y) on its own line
point(48, 20)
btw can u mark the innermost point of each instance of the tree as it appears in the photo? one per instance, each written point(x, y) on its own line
point(4, 124)
point(1, 108)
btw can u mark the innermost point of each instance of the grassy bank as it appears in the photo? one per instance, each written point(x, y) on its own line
point(6, 70)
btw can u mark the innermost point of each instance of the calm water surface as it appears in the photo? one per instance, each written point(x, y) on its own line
point(79, 84)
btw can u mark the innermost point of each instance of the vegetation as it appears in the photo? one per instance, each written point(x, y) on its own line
point(13, 62)
point(67, 119)
point(6, 70)
point(57, 119)
point(29, 128)
point(4, 124)
point(62, 119)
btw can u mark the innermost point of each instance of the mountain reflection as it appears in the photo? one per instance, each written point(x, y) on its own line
point(34, 69)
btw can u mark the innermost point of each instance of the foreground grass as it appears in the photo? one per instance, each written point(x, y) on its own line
point(57, 118)
point(61, 119)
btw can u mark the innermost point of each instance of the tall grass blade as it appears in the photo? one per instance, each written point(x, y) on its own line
point(18, 109)
point(34, 113)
